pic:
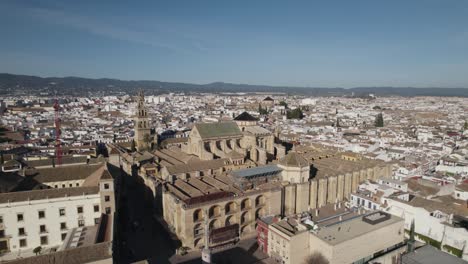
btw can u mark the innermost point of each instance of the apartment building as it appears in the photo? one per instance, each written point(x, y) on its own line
point(44, 217)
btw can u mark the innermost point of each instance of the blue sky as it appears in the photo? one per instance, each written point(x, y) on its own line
point(299, 43)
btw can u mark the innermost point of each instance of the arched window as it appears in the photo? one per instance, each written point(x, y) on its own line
point(231, 207)
point(215, 211)
point(246, 204)
point(260, 200)
point(245, 218)
point(259, 213)
point(197, 215)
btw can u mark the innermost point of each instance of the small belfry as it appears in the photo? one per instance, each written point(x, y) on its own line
point(142, 130)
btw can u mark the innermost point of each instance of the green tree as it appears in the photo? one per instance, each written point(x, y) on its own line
point(379, 122)
point(283, 103)
point(316, 258)
point(411, 240)
point(295, 114)
point(465, 126)
point(37, 250)
point(262, 111)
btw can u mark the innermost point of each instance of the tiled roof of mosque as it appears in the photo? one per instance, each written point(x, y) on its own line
point(213, 130)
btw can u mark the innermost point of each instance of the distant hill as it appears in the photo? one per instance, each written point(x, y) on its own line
point(23, 84)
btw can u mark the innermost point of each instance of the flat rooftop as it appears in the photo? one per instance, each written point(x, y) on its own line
point(340, 232)
point(289, 227)
point(446, 204)
point(14, 197)
point(390, 180)
point(430, 255)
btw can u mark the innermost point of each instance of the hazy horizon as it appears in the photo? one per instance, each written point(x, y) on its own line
point(249, 84)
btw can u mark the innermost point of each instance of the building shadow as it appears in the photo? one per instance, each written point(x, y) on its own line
point(229, 256)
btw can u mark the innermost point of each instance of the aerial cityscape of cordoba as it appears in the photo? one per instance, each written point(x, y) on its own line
point(292, 132)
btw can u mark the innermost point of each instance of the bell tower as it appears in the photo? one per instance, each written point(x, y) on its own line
point(142, 130)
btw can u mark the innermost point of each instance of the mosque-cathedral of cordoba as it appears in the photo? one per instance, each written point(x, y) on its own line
point(225, 175)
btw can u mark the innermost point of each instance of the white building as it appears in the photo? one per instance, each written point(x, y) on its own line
point(308, 101)
point(436, 219)
point(44, 217)
point(395, 184)
point(461, 192)
point(359, 239)
point(352, 240)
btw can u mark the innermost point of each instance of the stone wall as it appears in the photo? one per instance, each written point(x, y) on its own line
point(243, 210)
point(319, 192)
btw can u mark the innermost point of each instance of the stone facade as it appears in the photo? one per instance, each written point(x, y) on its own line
point(210, 141)
point(187, 220)
point(142, 129)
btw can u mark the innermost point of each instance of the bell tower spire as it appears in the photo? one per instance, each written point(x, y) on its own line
point(142, 129)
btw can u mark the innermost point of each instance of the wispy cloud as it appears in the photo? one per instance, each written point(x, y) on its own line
point(164, 39)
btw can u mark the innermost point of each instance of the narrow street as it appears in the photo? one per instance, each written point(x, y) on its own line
point(143, 238)
point(246, 252)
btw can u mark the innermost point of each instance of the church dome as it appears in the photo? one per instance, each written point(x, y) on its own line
point(294, 159)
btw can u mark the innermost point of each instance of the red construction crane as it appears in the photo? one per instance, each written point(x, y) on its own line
point(58, 145)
